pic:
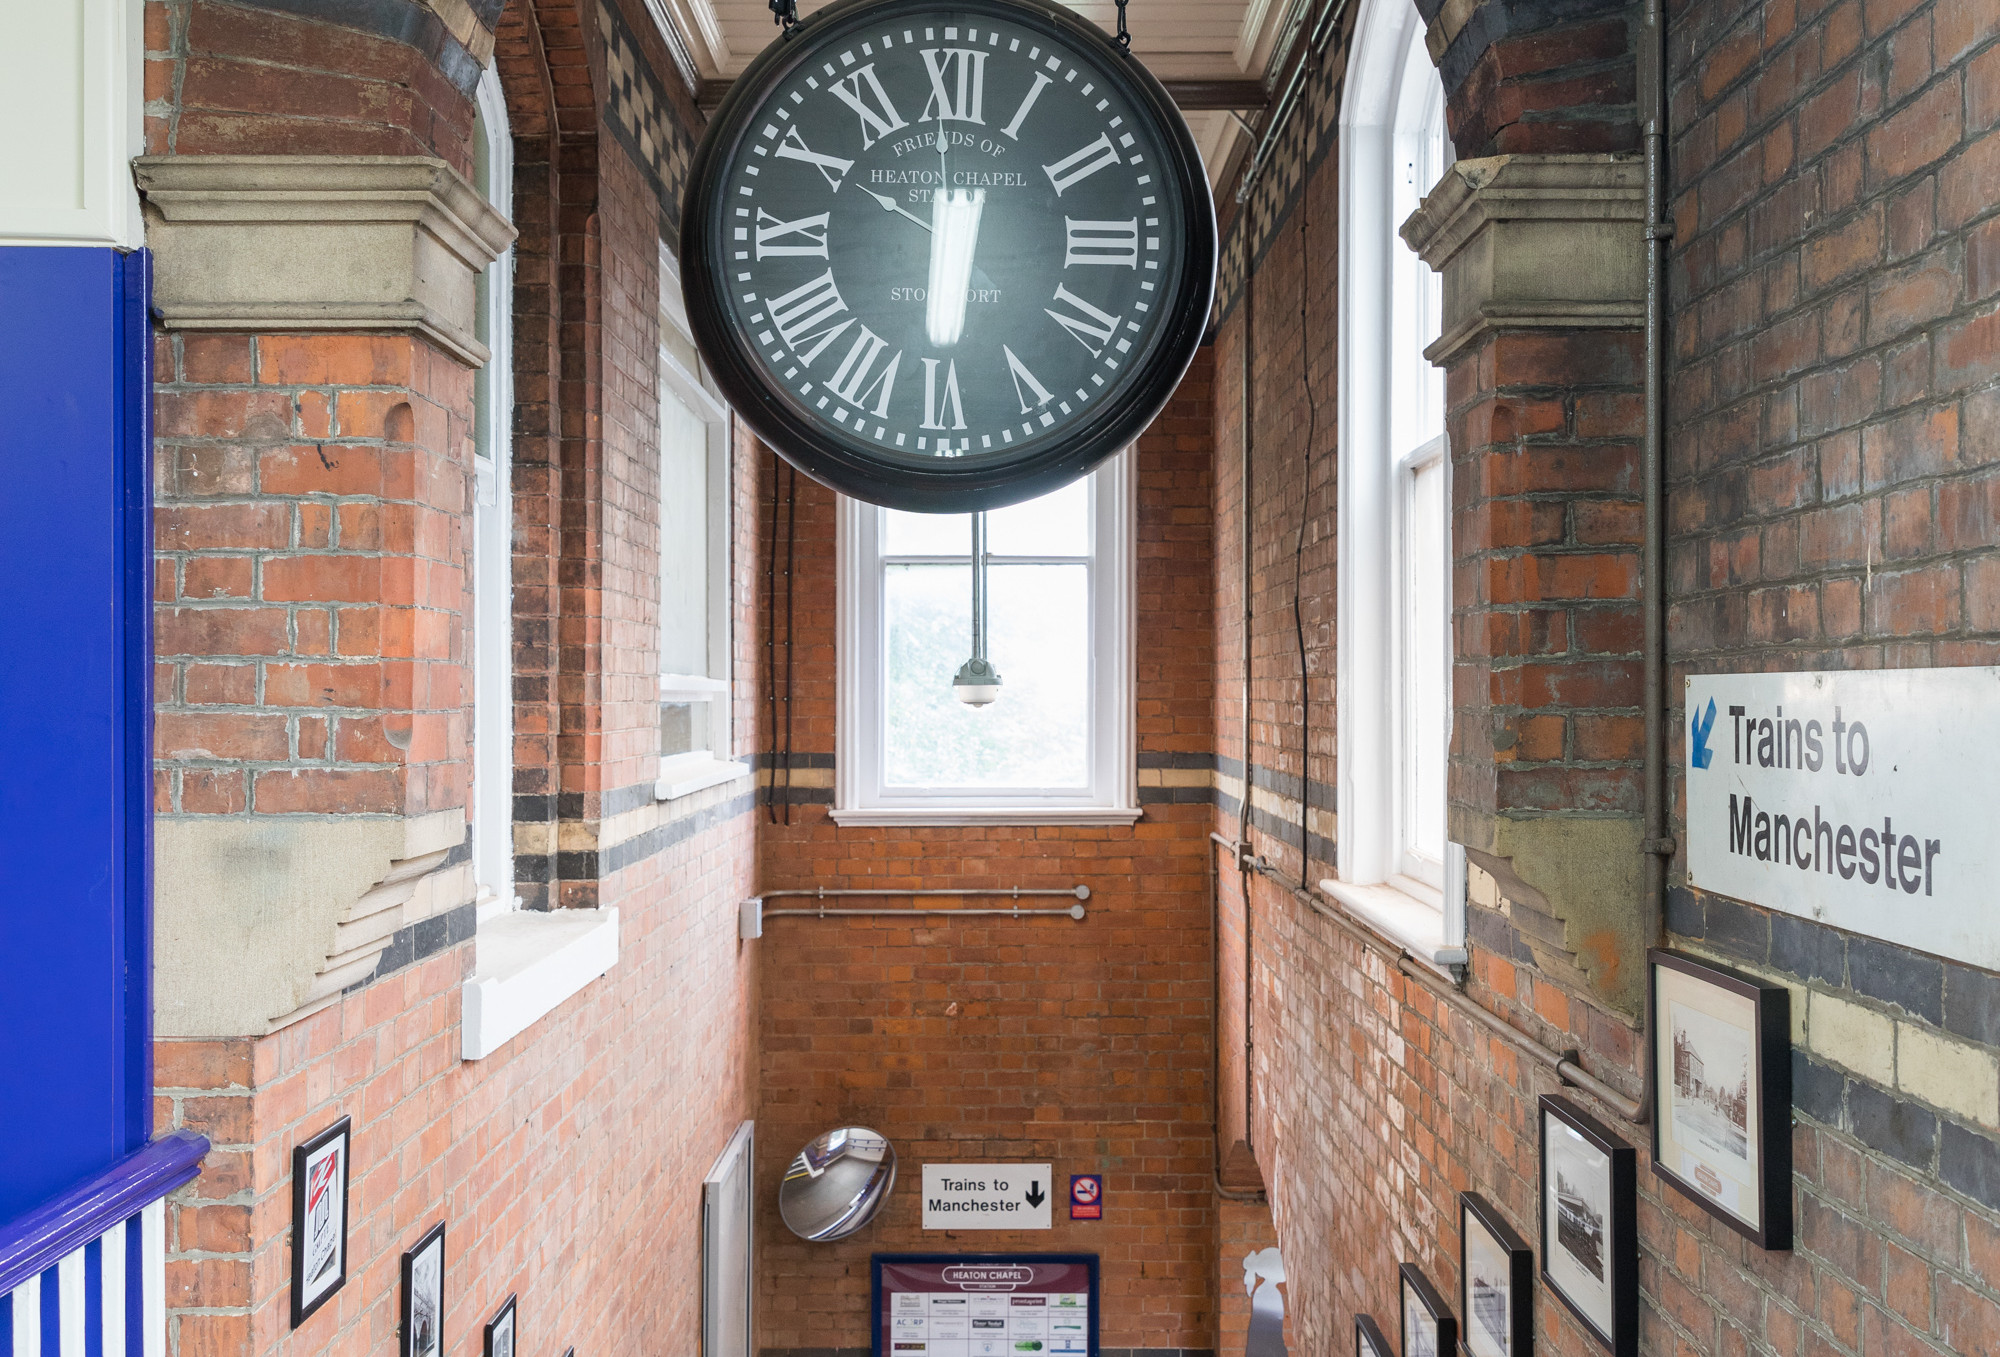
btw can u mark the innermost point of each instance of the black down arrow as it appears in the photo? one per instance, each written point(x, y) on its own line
point(1035, 1194)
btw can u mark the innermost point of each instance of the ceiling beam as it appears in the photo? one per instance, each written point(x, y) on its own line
point(1192, 96)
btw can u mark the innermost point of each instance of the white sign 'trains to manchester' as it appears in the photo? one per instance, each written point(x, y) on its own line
point(1862, 798)
point(987, 1196)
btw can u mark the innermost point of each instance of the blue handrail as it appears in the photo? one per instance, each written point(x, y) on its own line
point(48, 1234)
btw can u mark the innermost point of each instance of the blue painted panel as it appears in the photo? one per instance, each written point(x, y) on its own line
point(75, 717)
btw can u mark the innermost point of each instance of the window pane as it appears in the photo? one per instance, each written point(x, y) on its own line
point(906, 534)
point(1037, 734)
point(1424, 706)
point(684, 728)
point(683, 539)
point(1057, 524)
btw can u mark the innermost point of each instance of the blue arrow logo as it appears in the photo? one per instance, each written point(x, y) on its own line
point(1699, 754)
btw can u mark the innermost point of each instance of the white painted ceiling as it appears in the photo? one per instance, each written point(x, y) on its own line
point(1177, 39)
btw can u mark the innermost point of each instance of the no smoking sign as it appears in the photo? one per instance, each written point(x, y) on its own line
point(1086, 1196)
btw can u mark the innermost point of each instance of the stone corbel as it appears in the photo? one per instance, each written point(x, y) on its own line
point(260, 921)
point(1534, 242)
point(319, 243)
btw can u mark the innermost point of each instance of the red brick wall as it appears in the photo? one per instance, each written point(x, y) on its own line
point(567, 1167)
point(1833, 355)
point(1834, 502)
point(1546, 527)
point(312, 536)
point(1531, 75)
point(310, 575)
point(1083, 1044)
point(236, 79)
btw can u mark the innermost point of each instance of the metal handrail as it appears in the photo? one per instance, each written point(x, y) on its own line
point(45, 1236)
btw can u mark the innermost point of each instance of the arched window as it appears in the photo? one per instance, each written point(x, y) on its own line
point(1394, 655)
point(492, 526)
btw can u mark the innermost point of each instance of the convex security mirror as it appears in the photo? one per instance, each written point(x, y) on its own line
point(837, 1183)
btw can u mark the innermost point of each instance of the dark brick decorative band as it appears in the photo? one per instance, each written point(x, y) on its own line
point(402, 21)
point(1960, 999)
point(422, 939)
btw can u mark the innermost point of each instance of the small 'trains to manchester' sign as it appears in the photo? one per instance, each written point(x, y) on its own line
point(987, 1196)
point(1864, 799)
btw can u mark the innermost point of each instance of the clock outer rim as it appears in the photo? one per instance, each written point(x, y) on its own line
point(955, 486)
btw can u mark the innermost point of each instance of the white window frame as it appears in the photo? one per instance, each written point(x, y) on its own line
point(492, 548)
point(526, 962)
point(1111, 798)
point(1386, 291)
point(684, 774)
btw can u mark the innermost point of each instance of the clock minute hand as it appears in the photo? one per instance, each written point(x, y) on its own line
point(891, 205)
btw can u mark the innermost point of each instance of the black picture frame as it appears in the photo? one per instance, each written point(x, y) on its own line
point(1369, 1340)
point(421, 1333)
point(503, 1332)
point(1418, 1299)
point(1612, 1318)
point(1764, 1159)
point(1516, 1310)
point(308, 1156)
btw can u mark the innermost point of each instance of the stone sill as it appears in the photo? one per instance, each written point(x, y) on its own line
point(1403, 910)
point(696, 773)
point(529, 963)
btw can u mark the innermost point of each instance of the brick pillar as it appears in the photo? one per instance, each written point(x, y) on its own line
point(312, 685)
point(1543, 276)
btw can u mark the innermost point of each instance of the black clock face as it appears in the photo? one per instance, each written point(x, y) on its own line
point(946, 257)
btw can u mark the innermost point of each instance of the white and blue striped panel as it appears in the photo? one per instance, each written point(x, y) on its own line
point(107, 1299)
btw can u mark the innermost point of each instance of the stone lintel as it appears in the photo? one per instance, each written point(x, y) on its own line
point(320, 243)
point(1528, 242)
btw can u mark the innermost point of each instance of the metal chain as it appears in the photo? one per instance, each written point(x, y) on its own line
point(1124, 35)
point(785, 12)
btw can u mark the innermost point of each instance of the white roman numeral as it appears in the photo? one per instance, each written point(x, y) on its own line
point(850, 380)
point(1019, 371)
point(1013, 129)
point(935, 402)
point(969, 102)
point(1078, 327)
point(810, 230)
point(794, 147)
point(804, 314)
point(1102, 242)
point(878, 116)
point(1082, 164)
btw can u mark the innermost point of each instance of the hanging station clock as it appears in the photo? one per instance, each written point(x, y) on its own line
point(947, 256)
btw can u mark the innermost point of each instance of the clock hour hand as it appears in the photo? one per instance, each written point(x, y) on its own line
point(891, 205)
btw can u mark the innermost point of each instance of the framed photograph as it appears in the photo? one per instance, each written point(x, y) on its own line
point(1589, 1218)
point(1428, 1326)
point(423, 1296)
point(1368, 1339)
point(319, 1218)
point(1722, 1109)
point(500, 1332)
point(1496, 1280)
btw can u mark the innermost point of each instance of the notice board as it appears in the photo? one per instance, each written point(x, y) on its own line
point(985, 1305)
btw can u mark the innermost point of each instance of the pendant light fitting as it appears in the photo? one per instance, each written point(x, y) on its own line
point(977, 682)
